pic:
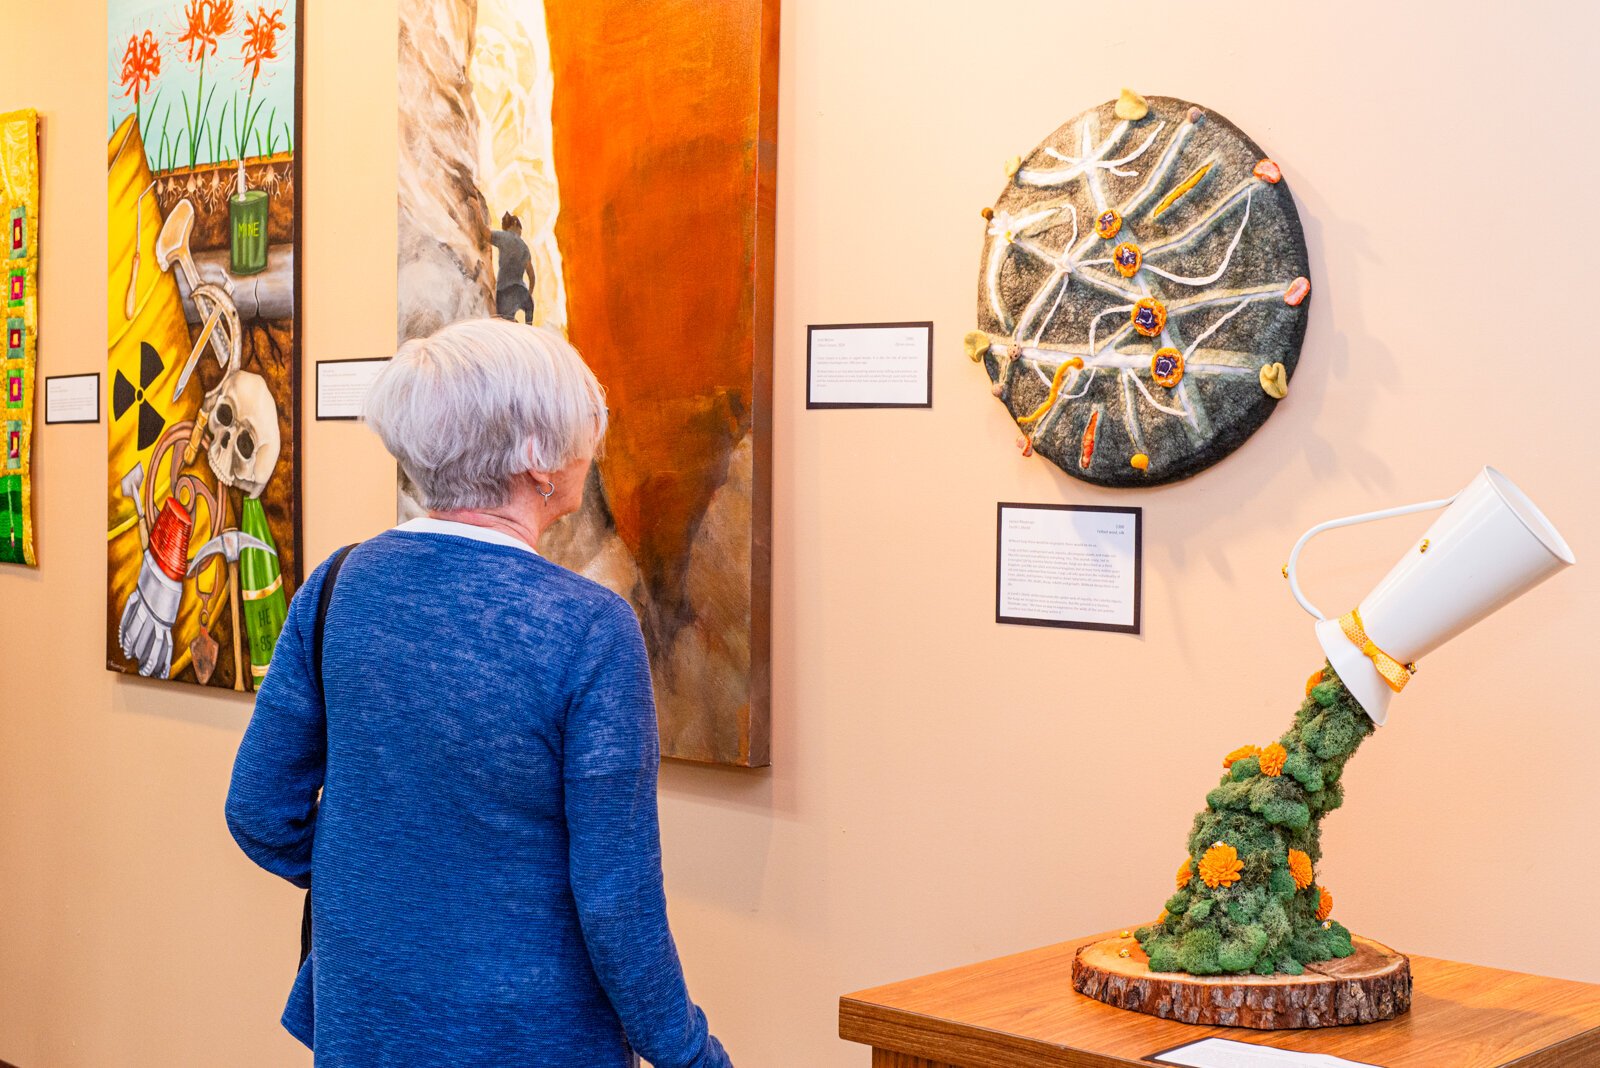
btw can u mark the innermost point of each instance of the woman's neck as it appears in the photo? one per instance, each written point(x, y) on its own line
point(516, 518)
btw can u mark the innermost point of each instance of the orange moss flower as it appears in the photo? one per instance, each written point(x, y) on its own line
point(261, 38)
point(1240, 754)
point(1185, 874)
point(1272, 758)
point(1220, 866)
point(1300, 868)
point(1324, 903)
point(1313, 682)
point(140, 63)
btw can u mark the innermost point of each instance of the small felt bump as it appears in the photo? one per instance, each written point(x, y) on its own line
point(976, 344)
point(1131, 106)
point(1275, 381)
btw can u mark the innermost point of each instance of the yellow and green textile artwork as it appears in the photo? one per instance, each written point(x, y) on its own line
point(19, 262)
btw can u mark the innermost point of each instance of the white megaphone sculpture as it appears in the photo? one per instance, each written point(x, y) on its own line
point(1490, 547)
point(1250, 938)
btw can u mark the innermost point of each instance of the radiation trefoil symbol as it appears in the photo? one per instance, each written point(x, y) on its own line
point(125, 394)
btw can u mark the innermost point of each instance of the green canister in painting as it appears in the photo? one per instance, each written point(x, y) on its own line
point(247, 225)
point(260, 591)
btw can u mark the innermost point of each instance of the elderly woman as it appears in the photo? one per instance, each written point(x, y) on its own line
point(486, 853)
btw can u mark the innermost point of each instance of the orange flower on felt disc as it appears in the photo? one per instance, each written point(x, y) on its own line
point(1185, 874)
point(1324, 903)
point(1272, 758)
point(1220, 866)
point(1239, 754)
point(1300, 868)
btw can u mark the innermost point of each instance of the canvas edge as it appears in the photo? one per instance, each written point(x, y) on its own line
point(297, 354)
point(755, 726)
point(758, 725)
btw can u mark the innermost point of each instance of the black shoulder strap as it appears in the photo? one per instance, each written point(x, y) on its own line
point(317, 627)
point(325, 598)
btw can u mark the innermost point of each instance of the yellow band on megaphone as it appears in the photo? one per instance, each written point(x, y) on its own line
point(1393, 671)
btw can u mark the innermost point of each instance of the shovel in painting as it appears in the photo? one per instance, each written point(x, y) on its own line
point(203, 653)
point(228, 545)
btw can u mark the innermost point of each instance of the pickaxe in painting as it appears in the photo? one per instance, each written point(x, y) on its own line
point(133, 488)
point(229, 544)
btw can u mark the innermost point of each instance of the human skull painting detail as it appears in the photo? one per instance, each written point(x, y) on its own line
point(243, 420)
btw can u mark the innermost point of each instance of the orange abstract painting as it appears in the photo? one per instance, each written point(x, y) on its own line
point(607, 167)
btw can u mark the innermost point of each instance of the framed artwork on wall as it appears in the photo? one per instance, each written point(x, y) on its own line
point(203, 487)
point(607, 168)
point(19, 258)
point(1143, 292)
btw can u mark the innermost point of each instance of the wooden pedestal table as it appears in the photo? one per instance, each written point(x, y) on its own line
point(1022, 1012)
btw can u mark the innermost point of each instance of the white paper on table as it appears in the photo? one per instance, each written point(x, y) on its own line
point(1226, 1053)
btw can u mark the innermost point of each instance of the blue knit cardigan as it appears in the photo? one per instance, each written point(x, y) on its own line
point(486, 848)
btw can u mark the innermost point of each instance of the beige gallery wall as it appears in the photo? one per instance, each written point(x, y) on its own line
point(944, 789)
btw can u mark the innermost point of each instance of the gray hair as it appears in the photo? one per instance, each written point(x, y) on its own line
point(482, 401)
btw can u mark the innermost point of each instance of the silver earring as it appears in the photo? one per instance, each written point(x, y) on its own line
point(545, 493)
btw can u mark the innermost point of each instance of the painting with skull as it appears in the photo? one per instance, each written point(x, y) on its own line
point(203, 533)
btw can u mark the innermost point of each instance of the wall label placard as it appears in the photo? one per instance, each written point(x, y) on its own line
point(869, 365)
point(1067, 565)
point(342, 386)
point(72, 399)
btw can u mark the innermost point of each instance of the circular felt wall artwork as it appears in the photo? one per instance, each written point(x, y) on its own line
point(1143, 292)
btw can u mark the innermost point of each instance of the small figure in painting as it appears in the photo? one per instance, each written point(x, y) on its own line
point(511, 293)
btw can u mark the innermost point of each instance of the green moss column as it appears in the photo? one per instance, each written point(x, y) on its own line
point(1253, 915)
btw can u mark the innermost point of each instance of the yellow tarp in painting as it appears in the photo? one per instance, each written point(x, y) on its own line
point(148, 343)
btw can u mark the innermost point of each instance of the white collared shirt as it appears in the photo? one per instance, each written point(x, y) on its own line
point(426, 524)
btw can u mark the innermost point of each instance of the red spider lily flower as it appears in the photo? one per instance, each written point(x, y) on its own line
point(140, 63)
point(261, 38)
point(204, 22)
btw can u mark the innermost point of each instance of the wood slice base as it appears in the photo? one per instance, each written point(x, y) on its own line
point(1372, 984)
